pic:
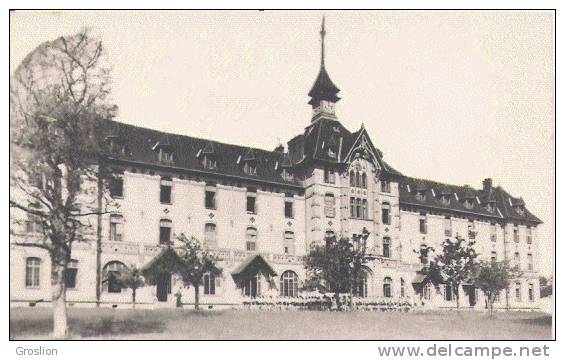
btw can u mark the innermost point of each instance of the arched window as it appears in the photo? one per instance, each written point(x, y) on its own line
point(402, 288)
point(386, 213)
point(210, 238)
point(427, 291)
point(116, 227)
point(165, 226)
point(387, 287)
point(386, 246)
point(352, 178)
point(71, 274)
point(33, 266)
point(209, 281)
point(112, 272)
point(289, 284)
point(357, 179)
point(288, 242)
point(251, 239)
point(364, 180)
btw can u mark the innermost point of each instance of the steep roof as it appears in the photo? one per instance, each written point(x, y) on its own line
point(189, 150)
point(323, 88)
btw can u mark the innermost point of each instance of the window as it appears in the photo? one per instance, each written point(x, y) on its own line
point(516, 234)
point(251, 236)
point(33, 225)
point(33, 266)
point(385, 186)
point(251, 202)
point(113, 271)
point(352, 207)
point(531, 292)
point(468, 203)
point(421, 195)
point(352, 178)
point(471, 229)
point(518, 291)
point(361, 288)
point(288, 208)
point(529, 235)
point(445, 199)
point(116, 227)
point(493, 232)
point(289, 284)
point(71, 274)
point(517, 260)
point(386, 246)
point(365, 214)
point(250, 168)
point(117, 187)
point(386, 213)
point(364, 180)
point(423, 223)
point(165, 226)
point(402, 288)
point(448, 226)
point(427, 291)
point(493, 256)
point(357, 179)
point(210, 197)
point(209, 162)
point(329, 205)
point(329, 176)
point(165, 156)
point(530, 262)
point(166, 187)
point(288, 243)
point(209, 281)
point(210, 238)
point(448, 292)
point(358, 212)
point(387, 287)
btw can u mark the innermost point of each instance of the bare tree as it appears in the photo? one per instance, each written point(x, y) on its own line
point(58, 107)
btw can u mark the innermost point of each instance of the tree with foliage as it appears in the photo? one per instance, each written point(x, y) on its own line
point(194, 263)
point(58, 104)
point(131, 278)
point(338, 266)
point(453, 266)
point(492, 277)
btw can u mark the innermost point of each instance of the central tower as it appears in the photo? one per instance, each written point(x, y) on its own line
point(323, 94)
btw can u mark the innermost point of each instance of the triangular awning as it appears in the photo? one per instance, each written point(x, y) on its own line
point(253, 265)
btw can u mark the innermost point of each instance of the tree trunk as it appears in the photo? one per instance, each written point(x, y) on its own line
point(99, 238)
point(197, 297)
point(133, 292)
point(60, 328)
point(457, 296)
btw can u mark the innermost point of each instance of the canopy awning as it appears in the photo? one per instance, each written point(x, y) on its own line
point(253, 265)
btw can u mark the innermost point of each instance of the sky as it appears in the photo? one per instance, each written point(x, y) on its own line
point(451, 96)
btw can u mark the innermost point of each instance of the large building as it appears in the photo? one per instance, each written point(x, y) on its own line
point(260, 211)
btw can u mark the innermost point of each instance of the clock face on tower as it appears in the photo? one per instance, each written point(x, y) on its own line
point(325, 107)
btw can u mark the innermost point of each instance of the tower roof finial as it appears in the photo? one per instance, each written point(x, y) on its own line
point(323, 35)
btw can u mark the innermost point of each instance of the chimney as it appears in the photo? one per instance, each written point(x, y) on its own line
point(487, 184)
point(280, 149)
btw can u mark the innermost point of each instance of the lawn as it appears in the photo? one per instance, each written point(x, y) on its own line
point(165, 324)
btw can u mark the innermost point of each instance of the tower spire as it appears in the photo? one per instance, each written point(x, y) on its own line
point(323, 35)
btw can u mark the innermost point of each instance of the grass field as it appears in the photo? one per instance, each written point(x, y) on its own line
point(164, 324)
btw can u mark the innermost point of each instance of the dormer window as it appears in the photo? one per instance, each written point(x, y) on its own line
point(468, 203)
point(250, 168)
point(445, 199)
point(165, 155)
point(209, 162)
point(385, 186)
point(491, 207)
point(249, 162)
point(116, 145)
point(287, 175)
point(420, 195)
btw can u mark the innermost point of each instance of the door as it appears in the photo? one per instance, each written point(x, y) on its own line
point(252, 286)
point(163, 286)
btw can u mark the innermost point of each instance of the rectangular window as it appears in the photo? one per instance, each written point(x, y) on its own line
point(251, 197)
point(166, 189)
point(117, 187)
point(448, 226)
point(288, 209)
point(385, 186)
point(493, 232)
point(517, 260)
point(530, 262)
point(423, 223)
point(352, 207)
point(210, 198)
point(116, 227)
point(386, 247)
point(516, 234)
point(32, 272)
point(165, 232)
point(329, 176)
point(385, 213)
point(493, 256)
point(531, 292)
point(471, 229)
point(518, 291)
point(288, 245)
point(329, 205)
point(71, 274)
point(210, 238)
point(33, 225)
point(529, 235)
point(209, 281)
point(251, 236)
